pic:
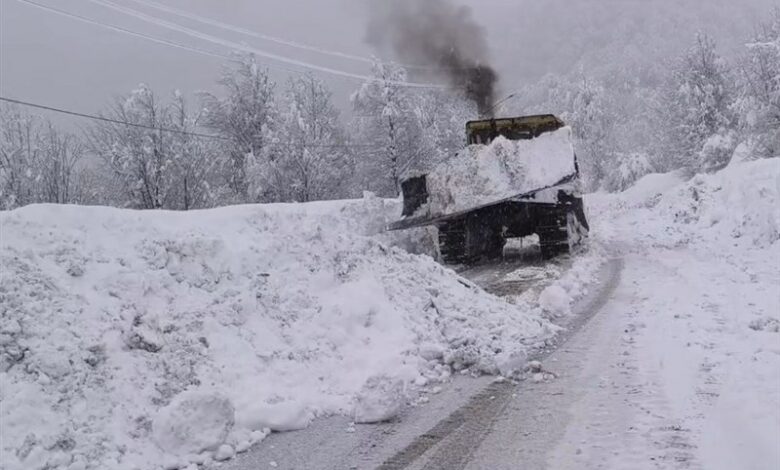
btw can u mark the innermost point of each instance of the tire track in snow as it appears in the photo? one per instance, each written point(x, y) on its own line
point(458, 436)
point(654, 389)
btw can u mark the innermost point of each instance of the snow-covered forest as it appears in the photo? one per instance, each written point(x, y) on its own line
point(252, 140)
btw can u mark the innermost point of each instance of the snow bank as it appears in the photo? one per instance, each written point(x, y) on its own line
point(142, 340)
point(740, 203)
point(738, 206)
point(482, 174)
point(650, 187)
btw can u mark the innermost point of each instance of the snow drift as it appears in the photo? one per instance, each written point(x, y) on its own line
point(736, 207)
point(740, 204)
point(141, 340)
point(483, 174)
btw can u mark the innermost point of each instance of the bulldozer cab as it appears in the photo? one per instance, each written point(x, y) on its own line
point(519, 128)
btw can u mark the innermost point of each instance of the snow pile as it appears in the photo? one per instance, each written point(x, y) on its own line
point(556, 300)
point(483, 174)
point(740, 205)
point(380, 400)
point(194, 423)
point(650, 187)
point(141, 340)
point(555, 287)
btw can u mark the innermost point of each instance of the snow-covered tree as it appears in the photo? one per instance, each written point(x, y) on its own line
point(18, 152)
point(628, 168)
point(759, 89)
point(58, 170)
point(135, 157)
point(387, 130)
point(698, 106)
point(244, 115)
point(195, 162)
point(593, 125)
point(38, 163)
point(442, 116)
point(309, 158)
point(152, 167)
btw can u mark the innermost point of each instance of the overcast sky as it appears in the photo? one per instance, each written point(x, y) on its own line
point(61, 62)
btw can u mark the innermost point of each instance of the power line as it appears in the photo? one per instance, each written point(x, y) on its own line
point(248, 32)
point(113, 121)
point(164, 129)
point(144, 36)
point(266, 37)
point(204, 51)
point(234, 45)
point(126, 31)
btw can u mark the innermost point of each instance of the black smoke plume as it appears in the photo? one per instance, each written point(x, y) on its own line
point(436, 38)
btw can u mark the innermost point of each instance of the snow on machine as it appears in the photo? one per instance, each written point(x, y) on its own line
point(518, 176)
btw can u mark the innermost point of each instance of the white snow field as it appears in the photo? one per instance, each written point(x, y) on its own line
point(146, 340)
point(483, 174)
point(156, 340)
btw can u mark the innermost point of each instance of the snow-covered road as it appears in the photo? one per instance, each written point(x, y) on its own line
point(660, 378)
